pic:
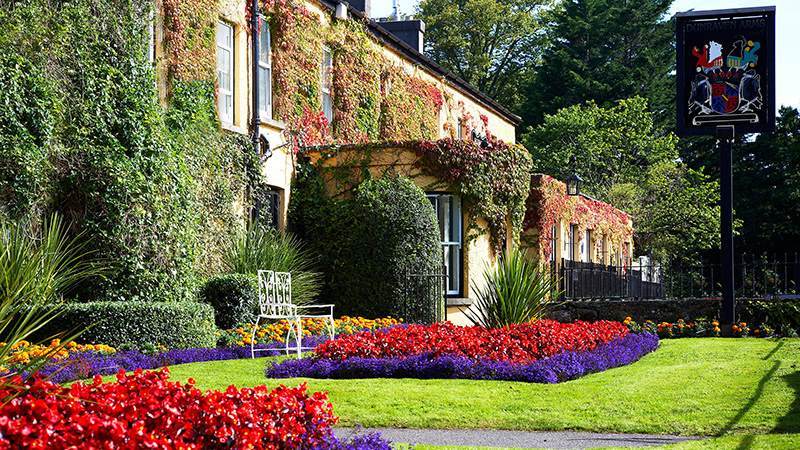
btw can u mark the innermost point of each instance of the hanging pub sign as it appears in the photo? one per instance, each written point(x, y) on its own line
point(726, 70)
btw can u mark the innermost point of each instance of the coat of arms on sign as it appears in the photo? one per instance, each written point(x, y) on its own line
point(726, 87)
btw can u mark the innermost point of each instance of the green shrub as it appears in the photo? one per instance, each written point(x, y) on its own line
point(234, 298)
point(259, 248)
point(370, 243)
point(140, 324)
point(518, 290)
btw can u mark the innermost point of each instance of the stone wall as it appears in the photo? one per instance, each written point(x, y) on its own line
point(639, 310)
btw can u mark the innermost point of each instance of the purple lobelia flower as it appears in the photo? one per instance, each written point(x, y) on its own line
point(84, 365)
point(560, 367)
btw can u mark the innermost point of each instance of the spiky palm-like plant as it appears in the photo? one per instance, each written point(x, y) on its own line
point(517, 290)
point(36, 269)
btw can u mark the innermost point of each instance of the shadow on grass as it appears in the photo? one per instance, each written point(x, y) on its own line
point(790, 423)
point(774, 350)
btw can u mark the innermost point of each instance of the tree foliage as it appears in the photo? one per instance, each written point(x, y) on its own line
point(604, 50)
point(489, 43)
point(625, 163)
point(766, 177)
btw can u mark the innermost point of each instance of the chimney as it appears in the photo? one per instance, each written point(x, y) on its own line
point(365, 6)
point(412, 32)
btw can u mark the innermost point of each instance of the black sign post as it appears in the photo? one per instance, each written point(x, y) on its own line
point(726, 84)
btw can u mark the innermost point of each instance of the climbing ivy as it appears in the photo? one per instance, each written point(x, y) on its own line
point(153, 187)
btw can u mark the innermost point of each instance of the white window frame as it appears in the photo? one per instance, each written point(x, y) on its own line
point(265, 70)
point(226, 92)
point(569, 242)
point(553, 242)
point(326, 83)
point(585, 250)
point(451, 233)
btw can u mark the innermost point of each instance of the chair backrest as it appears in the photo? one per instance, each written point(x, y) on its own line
point(275, 293)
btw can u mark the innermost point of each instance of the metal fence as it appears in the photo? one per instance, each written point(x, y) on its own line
point(580, 280)
point(424, 296)
point(763, 276)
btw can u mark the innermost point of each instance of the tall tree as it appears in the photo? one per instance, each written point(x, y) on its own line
point(625, 163)
point(766, 177)
point(605, 50)
point(492, 44)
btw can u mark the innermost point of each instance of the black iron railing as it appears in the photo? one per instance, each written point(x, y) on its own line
point(425, 296)
point(777, 276)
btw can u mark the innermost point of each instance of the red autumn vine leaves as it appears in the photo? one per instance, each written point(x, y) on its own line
point(548, 203)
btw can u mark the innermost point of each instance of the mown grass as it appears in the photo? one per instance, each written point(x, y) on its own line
point(688, 387)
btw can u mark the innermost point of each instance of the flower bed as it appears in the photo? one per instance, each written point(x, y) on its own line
point(276, 331)
point(520, 343)
point(696, 328)
point(544, 352)
point(86, 365)
point(563, 366)
point(81, 361)
point(146, 410)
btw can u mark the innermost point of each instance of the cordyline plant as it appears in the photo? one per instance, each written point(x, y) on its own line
point(36, 269)
point(518, 290)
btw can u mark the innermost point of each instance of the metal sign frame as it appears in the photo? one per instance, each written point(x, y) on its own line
point(719, 62)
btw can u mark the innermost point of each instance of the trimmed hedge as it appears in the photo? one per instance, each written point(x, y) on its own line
point(140, 324)
point(234, 298)
point(370, 243)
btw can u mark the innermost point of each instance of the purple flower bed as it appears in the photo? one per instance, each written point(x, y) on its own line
point(88, 364)
point(561, 367)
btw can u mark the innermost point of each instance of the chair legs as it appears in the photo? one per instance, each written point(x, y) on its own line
point(332, 328)
point(253, 340)
point(296, 329)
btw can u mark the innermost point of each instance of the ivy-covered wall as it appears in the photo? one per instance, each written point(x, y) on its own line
point(549, 205)
point(82, 132)
point(374, 97)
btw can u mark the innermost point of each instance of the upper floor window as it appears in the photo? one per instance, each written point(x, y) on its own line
point(326, 83)
point(264, 70)
point(225, 72)
point(461, 129)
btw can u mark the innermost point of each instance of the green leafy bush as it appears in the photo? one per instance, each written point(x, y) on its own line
point(140, 324)
point(260, 248)
point(370, 243)
point(234, 298)
point(517, 290)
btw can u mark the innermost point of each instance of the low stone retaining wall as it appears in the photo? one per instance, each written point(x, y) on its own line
point(639, 310)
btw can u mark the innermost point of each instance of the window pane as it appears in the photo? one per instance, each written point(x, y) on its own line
point(225, 71)
point(448, 214)
point(327, 107)
point(264, 43)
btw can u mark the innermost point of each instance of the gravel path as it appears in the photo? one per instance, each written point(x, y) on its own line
point(522, 439)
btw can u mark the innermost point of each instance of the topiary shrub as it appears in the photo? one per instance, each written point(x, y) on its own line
point(234, 298)
point(139, 324)
point(370, 243)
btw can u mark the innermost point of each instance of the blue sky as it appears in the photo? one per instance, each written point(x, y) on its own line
point(788, 35)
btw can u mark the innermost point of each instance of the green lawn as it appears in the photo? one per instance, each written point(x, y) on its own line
point(687, 387)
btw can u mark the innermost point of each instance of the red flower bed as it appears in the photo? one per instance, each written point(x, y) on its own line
point(145, 410)
point(521, 343)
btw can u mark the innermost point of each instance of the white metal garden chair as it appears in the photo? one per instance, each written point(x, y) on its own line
point(275, 303)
